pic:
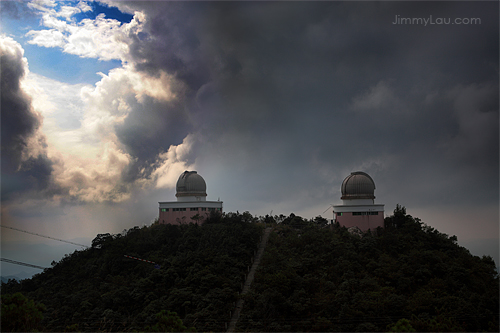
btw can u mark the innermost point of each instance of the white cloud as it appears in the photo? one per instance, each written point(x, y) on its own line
point(172, 163)
point(67, 12)
point(42, 5)
point(102, 38)
point(84, 6)
point(13, 49)
point(47, 38)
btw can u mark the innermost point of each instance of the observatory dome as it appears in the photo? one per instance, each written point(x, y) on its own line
point(358, 185)
point(190, 183)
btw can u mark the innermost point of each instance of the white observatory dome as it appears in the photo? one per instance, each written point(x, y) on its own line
point(190, 184)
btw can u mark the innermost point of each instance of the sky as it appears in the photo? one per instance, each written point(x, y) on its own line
point(104, 104)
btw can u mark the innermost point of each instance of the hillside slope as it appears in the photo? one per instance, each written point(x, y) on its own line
point(313, 279)
point(98, 289)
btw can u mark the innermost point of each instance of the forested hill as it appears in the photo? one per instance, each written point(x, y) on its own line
point(98, 289)
point(408, 277)
point(312, 277)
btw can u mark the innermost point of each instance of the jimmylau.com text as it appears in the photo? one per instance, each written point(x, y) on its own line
point(436, 20)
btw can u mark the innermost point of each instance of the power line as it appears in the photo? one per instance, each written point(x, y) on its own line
point(21, 263)
point(34, 233)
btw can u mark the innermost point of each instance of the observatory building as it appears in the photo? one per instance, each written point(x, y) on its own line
point(191, 205)
point(358, 207)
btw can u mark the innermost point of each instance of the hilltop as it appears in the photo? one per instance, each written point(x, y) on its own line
point(312, 277)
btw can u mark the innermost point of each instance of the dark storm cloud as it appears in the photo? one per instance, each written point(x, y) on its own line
point(171, 43)
point(166, 124)
point(316, 90)
point(21, 169)
point(19, 121)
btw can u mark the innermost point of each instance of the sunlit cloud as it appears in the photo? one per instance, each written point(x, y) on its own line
point(42, 5)
point(172, 163)
point(101, 38)
point(84, 6)
point(80, 125)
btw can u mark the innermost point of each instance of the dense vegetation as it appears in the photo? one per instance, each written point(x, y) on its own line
point(406, 277)
point(98, 289)
point(312, 277)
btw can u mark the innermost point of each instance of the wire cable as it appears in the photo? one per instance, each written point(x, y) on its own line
point(34, 233)
point(21, 263)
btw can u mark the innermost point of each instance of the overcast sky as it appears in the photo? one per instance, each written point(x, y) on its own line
point(105, 104)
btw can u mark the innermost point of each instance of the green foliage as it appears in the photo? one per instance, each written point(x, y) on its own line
point(20, 314)
point(325, 279)
point(403, 325)
point(98, 289)
point(169, 322)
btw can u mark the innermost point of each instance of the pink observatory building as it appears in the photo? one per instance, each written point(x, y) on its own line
point(191, 205)
point(358, 207)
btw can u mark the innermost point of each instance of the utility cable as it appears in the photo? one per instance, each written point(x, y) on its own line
point(21, 263)
point(34, 233)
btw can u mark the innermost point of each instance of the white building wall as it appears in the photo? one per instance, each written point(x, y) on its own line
point(357, 202)
point(192, 198)
point(358, 208)
point(191, 204)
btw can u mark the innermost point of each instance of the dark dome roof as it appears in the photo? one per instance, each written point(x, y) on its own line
point(190, 183)
point(358, 185)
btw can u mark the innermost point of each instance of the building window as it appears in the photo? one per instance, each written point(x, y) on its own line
point(203, 209)
point(193, 209)
point(364, 213)
point(339, 214)
point(164, 209)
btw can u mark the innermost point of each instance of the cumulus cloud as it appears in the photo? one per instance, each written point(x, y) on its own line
point(101, 38)
point(42, 5)
point(24, 159)
point(76, 138)
point(172, 163)
point(89, 158)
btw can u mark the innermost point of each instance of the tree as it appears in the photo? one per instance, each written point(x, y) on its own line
point(403, 325)
point(319, 220)
point(169, 322)
point(101, 240)
point(20, 314)
point(197, 218)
